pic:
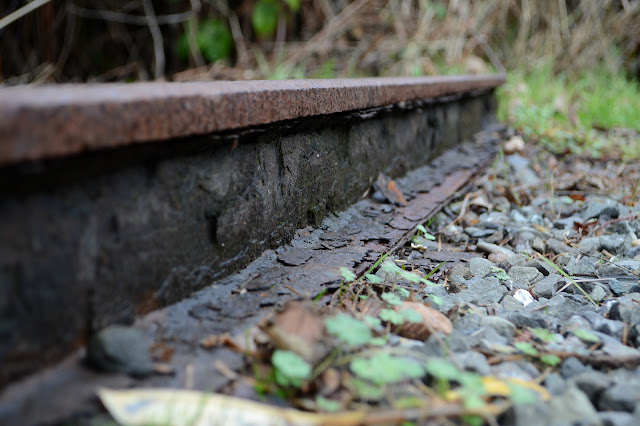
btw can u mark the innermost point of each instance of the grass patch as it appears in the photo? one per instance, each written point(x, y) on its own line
point(595, 114)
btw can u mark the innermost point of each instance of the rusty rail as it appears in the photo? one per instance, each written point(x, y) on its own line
point(53, 121)
point(113, 227)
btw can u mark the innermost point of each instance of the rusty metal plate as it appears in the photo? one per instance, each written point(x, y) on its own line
point(53, 121)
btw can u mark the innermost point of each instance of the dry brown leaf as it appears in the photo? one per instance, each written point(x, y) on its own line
point(299, 327)
point(331, 381)
point(390, 190)
point(432, 320)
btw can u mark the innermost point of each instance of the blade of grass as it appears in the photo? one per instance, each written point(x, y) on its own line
point(433, 271)
point(563, 273)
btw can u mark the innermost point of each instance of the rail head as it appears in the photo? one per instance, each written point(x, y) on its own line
point(46, 122)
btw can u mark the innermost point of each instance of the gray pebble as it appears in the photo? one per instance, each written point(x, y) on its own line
point(547, 286)
point(493, 248)
point(562, 307)
point(614, 244)
point(592, 383)
point(598, 293)
point(534, 414)
point(620, 397)
point(509, 303)
point(525, 274)
point(626, 309)
point(583, 266)
point(503, 326)
point(555, 384)
point(527, 319)
point(481, 291)
point(519, 370)
point(572, 366)
point(558, 247)
point(475, 232)
point(572, 407)
point(480, 267)
point(616, 418)
point(590, 245)
point(461, 270)
point(473, 361)
point(594, 208)
point(633, 252)
point(121, 349)
point(620, 288)
point(517, 260)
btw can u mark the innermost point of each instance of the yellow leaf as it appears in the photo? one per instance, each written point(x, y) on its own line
point(497, 387)
point(182, 407)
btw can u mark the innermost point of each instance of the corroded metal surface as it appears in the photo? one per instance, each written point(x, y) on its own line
point(48, 122)
point(121, 232)
point(354, 238)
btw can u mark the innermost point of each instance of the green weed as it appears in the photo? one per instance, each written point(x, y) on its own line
point(573, 114)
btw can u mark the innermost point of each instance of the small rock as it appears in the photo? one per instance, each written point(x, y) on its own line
point(525, 274)
point(592, 383)
point(594, 208)
point(518, 217)
point(635, 251)
point(584, 266)
point(527, 319)
point(620, 397)
point(121, 349)
point(607, 326)
point(517, 260)
point(480, 267)
point(457, 280)
point(572, 407)
point(509, 303)
point(612, 346)
point(497, 257)
point(534, 414)
point(590, 245)
point(493, 248)
point(575, 322)
point(473, 361)
point(562, 307)
point(555, 384)
point(461, 270)
point(521, 169)
point(481, 291)
point(512, 369)
point(503, 326)
point(486, 338)
point(598, 293)
point(539, 245)
point(614, 244)
point(559, 247)
point(620, 288)
point(622, 267)
point(616, 418)
point(523, 297)
point(514, 144)
point(475, 232)
point(572, 366)
point(547, 286)
point(626, 309)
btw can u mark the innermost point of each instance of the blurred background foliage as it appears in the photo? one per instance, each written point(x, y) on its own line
point(106, 40)
point(573, 65)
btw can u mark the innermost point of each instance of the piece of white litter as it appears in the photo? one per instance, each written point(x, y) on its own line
point(523, 296)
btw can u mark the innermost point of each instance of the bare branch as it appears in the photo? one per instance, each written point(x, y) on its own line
point(29, 7)
point(156, 35)
point(124, 18)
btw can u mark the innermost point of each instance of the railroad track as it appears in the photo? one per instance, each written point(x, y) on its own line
point(118, 200)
